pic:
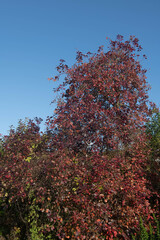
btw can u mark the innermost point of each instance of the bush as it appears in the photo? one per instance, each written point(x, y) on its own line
point(149, 232)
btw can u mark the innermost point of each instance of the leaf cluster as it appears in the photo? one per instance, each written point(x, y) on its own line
point(86, 177)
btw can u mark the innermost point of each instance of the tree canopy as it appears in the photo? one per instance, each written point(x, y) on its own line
point(87, 176)
point(153, 131)
point(105, 99)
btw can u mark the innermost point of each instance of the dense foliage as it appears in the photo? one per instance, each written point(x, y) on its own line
point(105, 98)
point(153, 133)
point(87, 176)
point(153, 130)
point(149, 233)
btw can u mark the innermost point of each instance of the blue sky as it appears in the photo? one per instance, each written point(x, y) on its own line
point(35, 34)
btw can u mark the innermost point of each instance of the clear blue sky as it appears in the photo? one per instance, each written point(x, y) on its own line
point(35, 34)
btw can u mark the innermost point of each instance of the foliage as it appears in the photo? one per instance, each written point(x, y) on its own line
point(153, 134)
point(86, 177)
point(153, 131)
point(149, 233)
point(17, 174)
point(105, 99)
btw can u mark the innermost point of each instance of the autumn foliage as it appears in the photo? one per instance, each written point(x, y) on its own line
point(86, 177)
point(105, 98)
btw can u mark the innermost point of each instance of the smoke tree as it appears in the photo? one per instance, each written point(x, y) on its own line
point(100, 121)
point(87, 177)
point(105, 99)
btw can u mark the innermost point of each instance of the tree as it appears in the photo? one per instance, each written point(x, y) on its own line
point(102, 110)
point(86, 178)
point(22, 158)
point(153, 132)
point(105, 99)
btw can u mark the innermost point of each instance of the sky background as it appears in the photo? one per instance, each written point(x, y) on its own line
point(36, 34)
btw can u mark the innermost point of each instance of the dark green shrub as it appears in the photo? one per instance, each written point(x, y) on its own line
point(150, 232)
